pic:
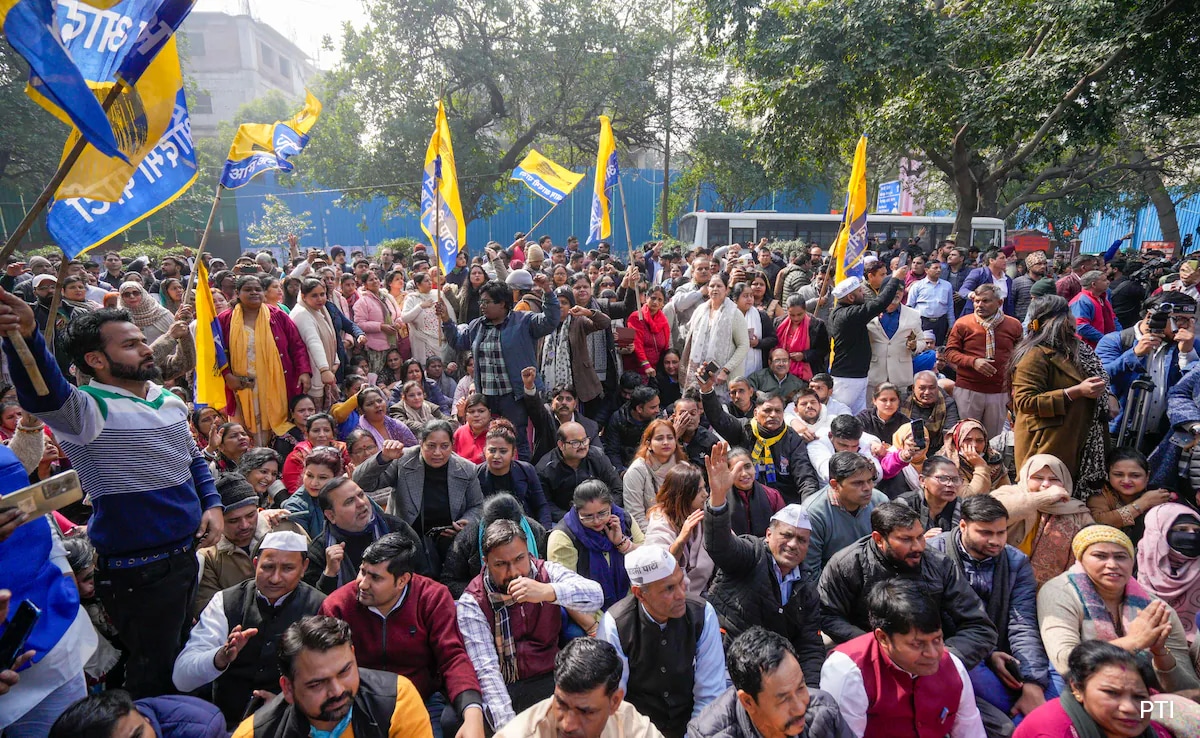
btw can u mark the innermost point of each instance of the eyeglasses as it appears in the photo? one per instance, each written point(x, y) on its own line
point(577, 443)
point(602, 515)
point(486, 301)
point(946, 479)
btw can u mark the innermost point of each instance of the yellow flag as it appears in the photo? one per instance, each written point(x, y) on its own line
point(99, 177)
point(441, 210)
point(549, 181)
point(851, 242)
point(211, 358)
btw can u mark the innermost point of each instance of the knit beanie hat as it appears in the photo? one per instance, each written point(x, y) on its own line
point(1042, 287)
point(1093, 534)
point(235, 491)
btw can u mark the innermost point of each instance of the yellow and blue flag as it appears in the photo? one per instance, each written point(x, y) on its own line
point(441, 210)
point(607, 173)
point(261, 147)
point(32, 30)
point(851, 242)
point(211, 358)
point(548, 180)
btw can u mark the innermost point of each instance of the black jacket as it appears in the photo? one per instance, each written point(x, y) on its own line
point(545, 426)
point(315, 574)
point(341, 326)
point(726, 718)
point(851, 573)
point(795, 477)
point(746, 593)
point(375, 714)
point(622, 436)
point(559, 480)
point(848, 328)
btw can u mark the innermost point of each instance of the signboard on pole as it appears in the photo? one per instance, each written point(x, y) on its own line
point(1167, 247)
point(889, 197)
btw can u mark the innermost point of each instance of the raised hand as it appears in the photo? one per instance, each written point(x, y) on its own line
point(720, 476)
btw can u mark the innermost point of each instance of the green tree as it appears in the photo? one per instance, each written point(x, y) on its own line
point(31, 140)
point(1014, 102)
point(277, 223)
point(511, 74)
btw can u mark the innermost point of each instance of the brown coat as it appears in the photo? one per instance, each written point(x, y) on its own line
point(1047, 422)
point(583, 369)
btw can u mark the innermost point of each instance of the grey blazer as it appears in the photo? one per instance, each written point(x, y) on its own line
point(406, 477)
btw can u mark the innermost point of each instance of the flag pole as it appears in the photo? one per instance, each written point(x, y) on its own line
point(628, 238)
point(212, 215)
point(22, 229)
point(533, 227)
point(55, 302)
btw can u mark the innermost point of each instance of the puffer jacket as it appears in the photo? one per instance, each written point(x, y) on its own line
point(622, 436)
point(746, 593)
point(854, 570)
point(1023, 640)
point(726, 718)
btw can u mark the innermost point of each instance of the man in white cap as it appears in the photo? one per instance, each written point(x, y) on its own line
point(670, 646)
point(848, 329)
point(761, 581)
point(236, 642)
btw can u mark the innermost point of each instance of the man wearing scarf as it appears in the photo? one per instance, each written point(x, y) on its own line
point(352, 523)
point(780, 455)
point(979, 346)
point(511, 620)
point(929, 403)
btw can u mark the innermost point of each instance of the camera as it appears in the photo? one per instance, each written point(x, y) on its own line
point(1157, 323)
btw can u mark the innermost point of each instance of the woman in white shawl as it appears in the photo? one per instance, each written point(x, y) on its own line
point(316, 328)
point(717, 334)
point(154, 319)
point(424, 327)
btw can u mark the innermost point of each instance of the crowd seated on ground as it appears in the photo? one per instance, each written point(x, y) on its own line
point(445, 502)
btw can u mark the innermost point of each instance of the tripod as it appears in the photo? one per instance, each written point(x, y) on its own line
point(1134, 422)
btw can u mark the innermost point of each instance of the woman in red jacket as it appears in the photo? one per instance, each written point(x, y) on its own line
point(653, 335)
point(260, 377)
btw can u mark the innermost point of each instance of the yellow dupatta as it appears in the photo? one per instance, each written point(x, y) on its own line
point(267, 372)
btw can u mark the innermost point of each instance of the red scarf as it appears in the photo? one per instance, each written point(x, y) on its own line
point(795, 340)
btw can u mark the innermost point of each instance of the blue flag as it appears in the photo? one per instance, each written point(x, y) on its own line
point(30, 27)
point(78, 224)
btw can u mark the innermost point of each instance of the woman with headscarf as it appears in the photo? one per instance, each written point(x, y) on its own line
point(1168, 560)
point(566, 354)
point(170, 294)
point(268, 361)
point(1059, 391)
point(718, 335)
point(1098, 599)
point(154, 319)
point(1043, 517)
point(981, 467)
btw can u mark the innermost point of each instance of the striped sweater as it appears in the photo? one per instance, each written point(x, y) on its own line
point(136, 458)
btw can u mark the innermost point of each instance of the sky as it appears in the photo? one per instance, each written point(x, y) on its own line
point(303, 21)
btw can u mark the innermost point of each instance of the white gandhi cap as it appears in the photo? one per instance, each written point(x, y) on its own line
point(284, 540)
point(795, 516)
point(648, 564)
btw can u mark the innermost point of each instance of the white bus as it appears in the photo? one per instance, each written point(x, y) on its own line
point(721, 229)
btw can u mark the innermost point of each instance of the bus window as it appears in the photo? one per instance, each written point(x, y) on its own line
point(687, 229)
point(778, 230)
point(718, 232)
point(743, 236)
point(986, 239)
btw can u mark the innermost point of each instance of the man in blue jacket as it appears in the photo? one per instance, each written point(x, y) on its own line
point(992, 272)
point(1162, 358)
point(503, 343)
point(113, 714)
point(1003, 578)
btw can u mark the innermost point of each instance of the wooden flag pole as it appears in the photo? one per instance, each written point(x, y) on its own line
point(628, 238)
point(22, 229)
point(212, 215)
point(55, 302)
point(532, 228)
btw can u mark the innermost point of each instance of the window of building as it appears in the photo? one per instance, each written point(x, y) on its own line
point(195, 44)
point(285, 67)
point(202, 104)
point(267, 55)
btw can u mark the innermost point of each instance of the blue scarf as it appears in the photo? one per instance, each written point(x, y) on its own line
point(610, 576)
point(530, 541)
point(337, 729)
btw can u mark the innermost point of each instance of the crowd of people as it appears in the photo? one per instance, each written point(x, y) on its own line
point(559, 492)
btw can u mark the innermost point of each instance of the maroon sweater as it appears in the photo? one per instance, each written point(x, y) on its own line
point(967, 342)
point(419, 639)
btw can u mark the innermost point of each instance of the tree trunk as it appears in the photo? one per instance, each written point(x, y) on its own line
point(1168, 220)
point(966, 192)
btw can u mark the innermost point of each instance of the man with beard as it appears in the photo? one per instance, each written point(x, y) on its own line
point(352, 523)
point(807, 416)
point(899, 680)
point(1036, 267)
point(522, 597)
point(848, 329)
point(1003, 578)
point(237, 634)
point(400, 624)
point(325, 693)
point(761, 581)
point(153, 498)
point(695, 440)
point(563, 409)
point(840, 514)
point(780, 454)
point(896, 550)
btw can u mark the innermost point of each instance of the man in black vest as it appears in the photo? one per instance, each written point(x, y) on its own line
point(670, 646)
point(236, 642)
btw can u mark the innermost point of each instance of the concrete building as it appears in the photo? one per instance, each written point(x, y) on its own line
point(235, 59)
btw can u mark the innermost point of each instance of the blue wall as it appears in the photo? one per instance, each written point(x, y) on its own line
point(368, 224)
point(1143, 223)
